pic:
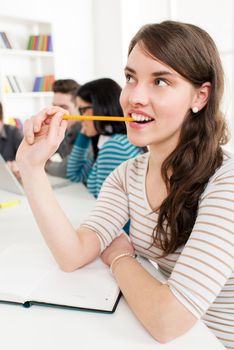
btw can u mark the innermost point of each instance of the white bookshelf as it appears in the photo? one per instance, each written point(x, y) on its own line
point(25, 65)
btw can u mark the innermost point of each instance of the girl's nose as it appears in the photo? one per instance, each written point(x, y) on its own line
point(139, 96)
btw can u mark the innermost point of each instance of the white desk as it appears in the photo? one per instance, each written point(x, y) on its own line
point(40, 328)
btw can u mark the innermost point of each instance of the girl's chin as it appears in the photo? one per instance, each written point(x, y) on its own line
point(136, 141)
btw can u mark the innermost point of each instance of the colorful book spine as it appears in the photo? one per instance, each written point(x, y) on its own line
point(30, 42)
point(44, 83)
point(37, 84)
point(35, 42)
point(49, 44)
point(45, 42)
point(42, 42)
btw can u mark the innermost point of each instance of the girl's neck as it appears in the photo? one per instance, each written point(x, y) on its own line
point(157, 157)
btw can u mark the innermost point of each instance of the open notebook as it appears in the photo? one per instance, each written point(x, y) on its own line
point(8, 181)
point(29, 275)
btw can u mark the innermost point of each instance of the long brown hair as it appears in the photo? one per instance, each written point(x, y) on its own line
point(191, 52)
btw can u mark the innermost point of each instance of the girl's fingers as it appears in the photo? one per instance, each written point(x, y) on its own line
point(28, 132)
point(54, 109)
point(42, 117)
point(57, 128)
point(35, 124)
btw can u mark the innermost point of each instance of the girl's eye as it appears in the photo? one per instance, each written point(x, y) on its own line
point(129, 78)
point(160, 82)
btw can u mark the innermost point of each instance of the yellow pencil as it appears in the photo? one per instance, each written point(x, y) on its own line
point(98, 117)
point(9, 203)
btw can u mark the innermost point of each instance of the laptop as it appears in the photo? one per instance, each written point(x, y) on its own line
point(8, 181)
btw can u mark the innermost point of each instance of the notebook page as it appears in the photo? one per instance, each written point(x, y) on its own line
point(30, 273)
point(22, 267)
point(90, 287)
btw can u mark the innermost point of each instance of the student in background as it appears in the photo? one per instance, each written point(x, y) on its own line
point(179, 196)
point(65, 97)
point(109, 140)
point(10, 138)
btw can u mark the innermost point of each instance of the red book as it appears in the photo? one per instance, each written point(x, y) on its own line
point(35, 42)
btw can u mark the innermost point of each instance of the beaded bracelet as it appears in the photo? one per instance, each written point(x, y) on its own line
point(118, 257)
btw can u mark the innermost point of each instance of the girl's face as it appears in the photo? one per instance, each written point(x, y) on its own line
point(156, 91)
point(85, 108)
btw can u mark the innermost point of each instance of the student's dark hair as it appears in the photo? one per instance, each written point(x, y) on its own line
point(191, 52)
point(66, 86)
point(103, 95)
point(1, 112)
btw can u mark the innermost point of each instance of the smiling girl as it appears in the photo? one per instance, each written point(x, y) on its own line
point(179, 196)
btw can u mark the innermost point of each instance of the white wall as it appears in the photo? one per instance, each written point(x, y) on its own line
point(107, 38)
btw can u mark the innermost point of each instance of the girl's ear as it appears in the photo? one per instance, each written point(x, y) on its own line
point(201, 96)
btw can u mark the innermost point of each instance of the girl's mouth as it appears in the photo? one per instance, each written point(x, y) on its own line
point(141, 119)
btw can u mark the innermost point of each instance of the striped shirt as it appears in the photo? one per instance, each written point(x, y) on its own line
point(80, 168)
point(201, 273)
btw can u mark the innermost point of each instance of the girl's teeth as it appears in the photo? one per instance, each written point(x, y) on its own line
point(140, 118)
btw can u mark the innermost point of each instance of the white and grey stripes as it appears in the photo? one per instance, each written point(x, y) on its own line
point(200, 274)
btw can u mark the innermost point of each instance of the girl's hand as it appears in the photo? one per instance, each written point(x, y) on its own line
point(43, 134)
point(119, 246)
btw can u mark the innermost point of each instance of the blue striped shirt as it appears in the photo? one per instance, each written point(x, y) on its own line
point(114, 151)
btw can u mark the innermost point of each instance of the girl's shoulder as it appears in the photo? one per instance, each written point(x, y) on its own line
point(226, 168)
point(228, 157)
point(223, 178)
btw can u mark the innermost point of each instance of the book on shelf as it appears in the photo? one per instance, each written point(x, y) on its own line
point(6, 86)
point(4, 41)
point(35, 42)
point(14, 42)
point(49, 43)
point(43, 83)
point(42, 42)
point(13, 84)
point(17, 83)
point(37, 84)
point(30, 276)
point(30, 42)
point(20, 84)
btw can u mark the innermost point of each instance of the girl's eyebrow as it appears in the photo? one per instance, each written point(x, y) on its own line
point(128, 69)
point(163, 72)
point(154, 74)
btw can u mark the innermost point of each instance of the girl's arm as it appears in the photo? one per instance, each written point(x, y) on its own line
point(163, 316)
point(199, 280)
point(43, 134)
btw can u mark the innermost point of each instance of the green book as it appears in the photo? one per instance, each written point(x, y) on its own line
point(30, 42)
